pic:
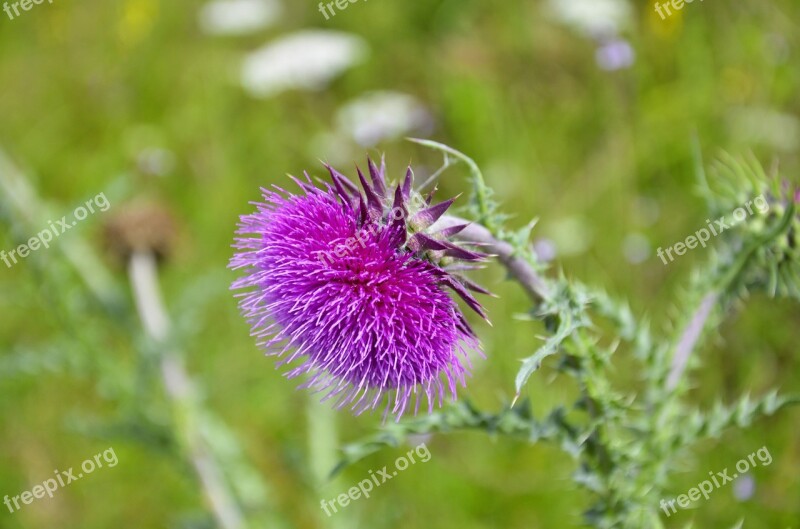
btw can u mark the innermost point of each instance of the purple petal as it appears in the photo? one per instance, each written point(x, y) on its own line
point(374, 204)
point(420, 242)
point(397, 223)
point(344, 187)
point(452, 230)
point(475, 287)
point(459, 289)
point(378, 176)
point(461, 253)
point(423, 219)
point(407, 183)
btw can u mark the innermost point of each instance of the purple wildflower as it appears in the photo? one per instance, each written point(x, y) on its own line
point(352, 286)
point(744, 487)
point(615, 54)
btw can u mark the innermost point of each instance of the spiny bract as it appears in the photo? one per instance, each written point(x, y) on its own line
point(351, 286)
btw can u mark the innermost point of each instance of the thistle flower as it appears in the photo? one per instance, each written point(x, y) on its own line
point(352, 286)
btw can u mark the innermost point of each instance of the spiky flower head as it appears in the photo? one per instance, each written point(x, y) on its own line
point(350, 288)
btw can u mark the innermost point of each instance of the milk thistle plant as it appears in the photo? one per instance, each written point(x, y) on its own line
point(375, 320)
point(357, 290)
point(368, 318)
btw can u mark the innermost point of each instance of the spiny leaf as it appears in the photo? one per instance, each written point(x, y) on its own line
point(529, 365)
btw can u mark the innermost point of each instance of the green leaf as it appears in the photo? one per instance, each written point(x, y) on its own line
point(531, 364)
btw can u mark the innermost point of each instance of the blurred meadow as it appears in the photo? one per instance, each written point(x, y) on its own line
point(583, 114)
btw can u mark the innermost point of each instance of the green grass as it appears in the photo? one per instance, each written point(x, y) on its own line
point(87, 84)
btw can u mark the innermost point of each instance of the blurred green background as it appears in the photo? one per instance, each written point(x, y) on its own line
point(580, 113)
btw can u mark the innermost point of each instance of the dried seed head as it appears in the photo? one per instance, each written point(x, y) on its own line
point(141, 227)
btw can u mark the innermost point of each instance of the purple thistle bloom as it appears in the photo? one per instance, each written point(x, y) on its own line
point(352, 287)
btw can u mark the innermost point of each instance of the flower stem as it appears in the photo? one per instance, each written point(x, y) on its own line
point(520, 269)
point(323, 457)
point(143, 275)
point(478, 183)
point(689, 338)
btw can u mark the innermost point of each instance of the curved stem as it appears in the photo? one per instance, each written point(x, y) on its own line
point(697, 323)
point(535, 286)
point(689, 339)
point(478, 183)
point(142, 270)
